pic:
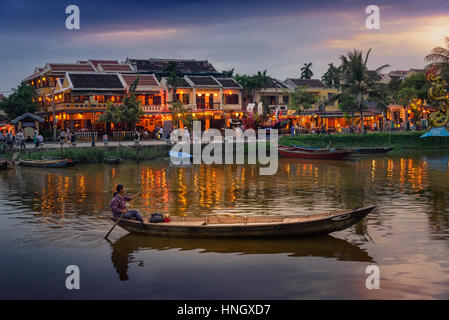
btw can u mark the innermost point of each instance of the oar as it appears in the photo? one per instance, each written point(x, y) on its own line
point(120, 218)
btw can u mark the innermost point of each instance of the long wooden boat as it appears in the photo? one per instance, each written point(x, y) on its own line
point(329, 154)
point(375, 150)
point(6, 164)
point(249, 226)
point(44, 163)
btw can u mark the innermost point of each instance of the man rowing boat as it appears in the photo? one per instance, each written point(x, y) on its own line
point(118, 205)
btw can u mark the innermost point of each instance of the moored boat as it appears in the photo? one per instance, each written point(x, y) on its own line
point(6, 164)
point(249, 226)
point(44, 163)
point(70, 162)
point(328, 154)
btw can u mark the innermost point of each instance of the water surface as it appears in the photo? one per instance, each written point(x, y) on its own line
point(53, 218)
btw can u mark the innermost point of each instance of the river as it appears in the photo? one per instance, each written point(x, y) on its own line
point(52, 218)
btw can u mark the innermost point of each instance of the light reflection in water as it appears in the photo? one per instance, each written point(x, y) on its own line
point(409, 230)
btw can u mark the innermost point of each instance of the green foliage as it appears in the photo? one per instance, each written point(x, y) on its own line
point(306, 72)
point(113, 114)
point(181, 113)
point(418, 83)
point(99, 154)
point(405, 95)
point(252, 83)
point(357, 82)
point(401, 140)
point(331, 78)
point(301, 100)
point(173, 76)
point(129, 112)
point(228, 73)
point(19, 102)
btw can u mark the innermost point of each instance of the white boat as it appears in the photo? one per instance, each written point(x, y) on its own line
point(179, 155)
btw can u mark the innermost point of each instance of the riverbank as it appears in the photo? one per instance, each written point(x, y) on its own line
point(401, 140)
point(94, 154)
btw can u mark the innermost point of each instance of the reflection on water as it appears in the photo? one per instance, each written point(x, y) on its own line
point(68, 208)
point(320, 246)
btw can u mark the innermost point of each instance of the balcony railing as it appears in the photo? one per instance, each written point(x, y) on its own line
point(205, 106)
point(85, 135)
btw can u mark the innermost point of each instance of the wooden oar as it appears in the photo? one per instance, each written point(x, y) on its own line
point(118, 220)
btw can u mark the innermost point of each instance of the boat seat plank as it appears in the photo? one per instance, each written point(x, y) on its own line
point(186, 223)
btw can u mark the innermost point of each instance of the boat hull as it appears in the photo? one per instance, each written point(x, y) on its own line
point(313, 154)
point(323, 224)
point(44, 163)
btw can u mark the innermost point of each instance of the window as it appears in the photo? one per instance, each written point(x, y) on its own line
point(231, 98)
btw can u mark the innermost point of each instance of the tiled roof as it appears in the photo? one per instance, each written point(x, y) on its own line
point(113, 67)
point(398, 73)
point(144, 79)
point(97, 62)
point(182, 83)
point(95, 81)
point(311, 83)
point(204, 81)
point(274, 83)
point(70, 67)
point(183, 66)
point(228, 83)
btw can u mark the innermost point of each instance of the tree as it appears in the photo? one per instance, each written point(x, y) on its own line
point(131, 110)
point(438, 59)
point(228, 73)
point(113, 114)
point(181, 113)
point(348, 106)
point(128, 113)
point(302, 100)
point(306, 72)
point(173, 76)
point(21, 101)
point(419, 83)
point(331, 78)
point(358, 82)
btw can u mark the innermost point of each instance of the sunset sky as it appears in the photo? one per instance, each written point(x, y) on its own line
point(248, 35)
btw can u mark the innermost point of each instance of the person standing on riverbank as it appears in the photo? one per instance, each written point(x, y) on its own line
point(118, 205)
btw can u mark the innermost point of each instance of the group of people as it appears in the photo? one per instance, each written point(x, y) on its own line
point(17, 139)
point(66, 136)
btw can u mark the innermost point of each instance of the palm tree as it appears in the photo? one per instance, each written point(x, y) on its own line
point(306, 72)
point(332, 77)
point(173, 76)
point(439, 58)
point(228, 73)
point(358, 82)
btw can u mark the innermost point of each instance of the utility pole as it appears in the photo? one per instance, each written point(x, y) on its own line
point(91, 101)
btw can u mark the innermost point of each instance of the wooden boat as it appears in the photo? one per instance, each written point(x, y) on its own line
point(6, 164)
point(375, 150)
point(249, 226)
point(70, 162)
point(329, 154)
point(44, 163)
